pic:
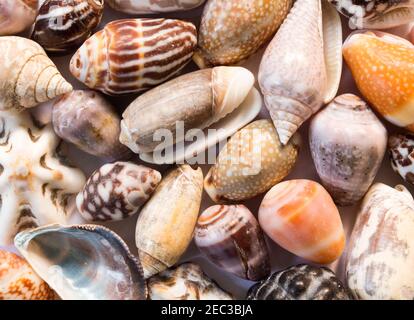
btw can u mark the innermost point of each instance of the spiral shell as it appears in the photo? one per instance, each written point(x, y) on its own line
point(132, 55)
point(153, 6)
point(402, 156)
point(65, 24)
point(16, 15)
point(29, 77)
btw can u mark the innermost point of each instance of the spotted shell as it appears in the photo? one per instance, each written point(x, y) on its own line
point(402, 155)
point(153, 6)
point(16, 15)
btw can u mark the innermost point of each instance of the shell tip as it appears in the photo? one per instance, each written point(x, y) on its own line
point(150, 265)
point(210, 188)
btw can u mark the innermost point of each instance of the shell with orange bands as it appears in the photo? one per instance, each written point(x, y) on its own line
point(301, 217)
point(383, 68)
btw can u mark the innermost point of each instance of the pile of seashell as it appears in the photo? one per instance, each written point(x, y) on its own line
point(244, 82)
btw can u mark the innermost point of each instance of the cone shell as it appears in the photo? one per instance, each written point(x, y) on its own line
point(231, 238)
point(166, 223)
point(16, 15)
point(383, 68)
point(132, 55)
point(116, 191)
point(29, 77)
point(197, 99)
point(346, 161)
point(381, 250)
point(231, 31)
point(65, 24)
point(301, 217)
point(18, 281)
point(151, 6)
point(402, 156)
point(185, 282)
point(86, 119)
point(301, 67)
point(251, 163)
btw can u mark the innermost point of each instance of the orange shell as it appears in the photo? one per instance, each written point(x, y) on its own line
point(301, 217)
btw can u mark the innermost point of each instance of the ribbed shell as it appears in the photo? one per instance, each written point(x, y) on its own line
point(402, 155)
point(16, 15)
point(132, 55)
point(65, 24)
point(231, 31)
point(153, 6)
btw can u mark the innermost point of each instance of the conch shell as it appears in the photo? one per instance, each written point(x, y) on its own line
point(153, 6)
point(383, 68)
point(166, 223)
point(16, 15)
point(231, 31)
point(28, 77)
point(85, 262)
point(301, 68)
point(402, 156)
point(346, 161)
point(380, 259)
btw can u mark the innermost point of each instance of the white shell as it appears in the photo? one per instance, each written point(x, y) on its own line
point(151, 6)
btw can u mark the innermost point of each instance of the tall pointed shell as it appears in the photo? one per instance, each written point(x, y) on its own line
point(66, 24)
point(132, 55)
point(16, 15)
point(151, 6)
point(346, 161)
point(83, 262)
point(402, 155)
point(231, 31)
point(197, 99)
point(166, 223)
point(380, 257)
point(18, 281)
point(28, 77)
point(383, 68)
point(300, 69)
point(251, 163)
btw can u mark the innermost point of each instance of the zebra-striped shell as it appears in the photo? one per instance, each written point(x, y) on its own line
point(153, 6)
point(66, 24)
point(402, 155)
point(132, 55)
point(16, 15)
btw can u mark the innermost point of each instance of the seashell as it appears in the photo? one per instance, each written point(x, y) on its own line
point(402, 156)
point(87, 120)
point(167, 221)
point(116, 191)
point(387, 82)
point(381, 250)
point(345, 160)
point(18, 281)
point(185, 282)
point(65, 24)
point(132, 55)
point(35, 183)
point(301, 68)
point(197, 99)
point(153, 6)
point(16, 15)
point(231, 31)
point(231, 238)
point(302, 218)
point(246, 168)
point(376, 14)
point(84, 262)
point(27, 78)
point(301, 282)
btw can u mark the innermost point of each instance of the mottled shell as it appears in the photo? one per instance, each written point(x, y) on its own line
point(231, 238)
point(116, 191)
point(132, 55)
point(28, 77)
point(153, 6)
point(251, 163)
point(87, 120)
point(231, 31)
point(383, 68)
point(346, 161)
point(196, 100)
point(301, 282)
point(381, 250)
point(402, 156)
point(301, 217)
point(83, 262)
point(166, 223)
point(65, 24)
point(16, 15)
point(18, 281)
point(185, 282)
point(376, 14)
